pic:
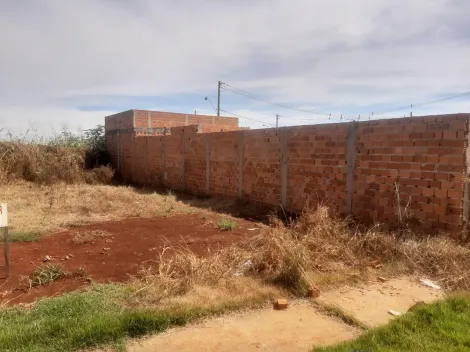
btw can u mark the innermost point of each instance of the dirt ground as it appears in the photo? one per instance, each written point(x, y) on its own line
point(299, 328)
point(295, 329)
point(128, 246)
point(370, 303)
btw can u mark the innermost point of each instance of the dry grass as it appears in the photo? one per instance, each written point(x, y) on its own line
point(45, 209)
point(227, 294)
point(48, 164)
point(317, 250)
point(84, 237)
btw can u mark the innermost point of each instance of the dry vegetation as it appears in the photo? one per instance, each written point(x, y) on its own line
point(44, 209)
point(84, 237)
point(293, 257)
point(48, 164)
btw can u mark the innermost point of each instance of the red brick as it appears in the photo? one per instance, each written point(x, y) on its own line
point(432, 158)
point(454, 194)
point(449, 135)
point(428, 192)
point(419, 158)
point(457, 143)
point(458, 125)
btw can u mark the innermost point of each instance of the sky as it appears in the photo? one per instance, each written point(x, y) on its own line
point(68, 63)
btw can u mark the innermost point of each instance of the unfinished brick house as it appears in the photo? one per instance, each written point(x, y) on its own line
point(357, 167)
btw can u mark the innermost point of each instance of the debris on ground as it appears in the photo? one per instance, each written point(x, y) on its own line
point(429, 283)
point(243, 268)
point(381, 279)
point(47, 258)
point(280, 304)
point(253, 229)
point(394, 312)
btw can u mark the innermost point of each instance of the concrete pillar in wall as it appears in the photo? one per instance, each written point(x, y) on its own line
point(350, 164)
point(283, 135)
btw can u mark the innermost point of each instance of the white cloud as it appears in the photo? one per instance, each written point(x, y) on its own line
point(334, 55)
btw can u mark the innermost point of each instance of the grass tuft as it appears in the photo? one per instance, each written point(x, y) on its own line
point(48, 273)
point(84, 237)
point(227, 225)
point(338, 312)
point(21, 237)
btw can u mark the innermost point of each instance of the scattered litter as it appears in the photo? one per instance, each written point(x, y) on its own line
point(429, 283)
point(47, 258)
point(381, 279)
point(67, 257)
point(243, 268)
point(253, 229)
point(394, 312)
point(106, 249)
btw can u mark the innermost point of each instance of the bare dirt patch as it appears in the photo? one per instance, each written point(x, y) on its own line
point(371, 303)
point(295, 329)
point(127, 247)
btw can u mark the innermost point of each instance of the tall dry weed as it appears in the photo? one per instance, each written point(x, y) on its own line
point(283, 255)
point(48, 164)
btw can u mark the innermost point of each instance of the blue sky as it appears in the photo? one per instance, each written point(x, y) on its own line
point(67, 64)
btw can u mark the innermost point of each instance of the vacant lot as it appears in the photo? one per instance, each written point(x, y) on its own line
point(178, 259)
point(113, 251)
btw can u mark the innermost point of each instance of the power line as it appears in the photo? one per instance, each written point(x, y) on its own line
point(247, 94)
point(233, 89)
point(247, 118)
point(311, 119)
point(411, 106)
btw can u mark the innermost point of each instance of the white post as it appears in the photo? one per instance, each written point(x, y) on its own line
point(6, 237)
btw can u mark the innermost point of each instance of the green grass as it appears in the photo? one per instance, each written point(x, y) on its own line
point(337, 312)
point(22, 237)
point(77, 321)
point(226, 225)
point(442, 326)
point(46, 274)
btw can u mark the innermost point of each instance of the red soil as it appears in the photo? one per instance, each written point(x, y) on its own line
point(131, 245)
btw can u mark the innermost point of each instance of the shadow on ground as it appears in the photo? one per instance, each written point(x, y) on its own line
point(235, 207)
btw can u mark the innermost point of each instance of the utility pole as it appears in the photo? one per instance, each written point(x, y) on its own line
point(218, 98)
point(277, 120)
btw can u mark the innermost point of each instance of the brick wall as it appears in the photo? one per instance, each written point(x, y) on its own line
point(145, 119)
point(427, 156)
point(354, 167)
